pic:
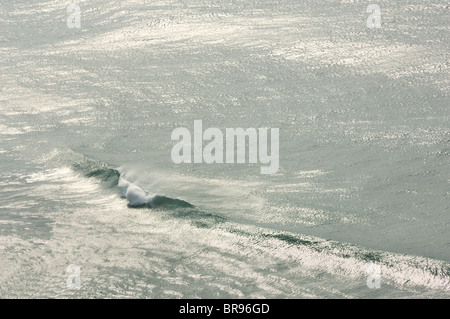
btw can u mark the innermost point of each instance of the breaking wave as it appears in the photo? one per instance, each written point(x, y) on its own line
point(136, 196)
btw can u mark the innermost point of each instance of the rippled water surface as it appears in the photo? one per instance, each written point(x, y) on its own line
point(86, 175)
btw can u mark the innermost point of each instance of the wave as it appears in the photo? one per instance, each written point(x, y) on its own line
point(406, 272)
point(113, 178)
point(136, 196)
point(344, 259)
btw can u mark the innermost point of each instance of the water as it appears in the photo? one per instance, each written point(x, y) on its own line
point(87, 178)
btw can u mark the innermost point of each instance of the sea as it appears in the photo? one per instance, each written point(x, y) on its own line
point(92, 205)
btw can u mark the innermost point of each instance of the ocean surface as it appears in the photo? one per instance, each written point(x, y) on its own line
point(87, 179)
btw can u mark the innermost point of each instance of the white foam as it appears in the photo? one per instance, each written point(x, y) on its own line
point(135, 195)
